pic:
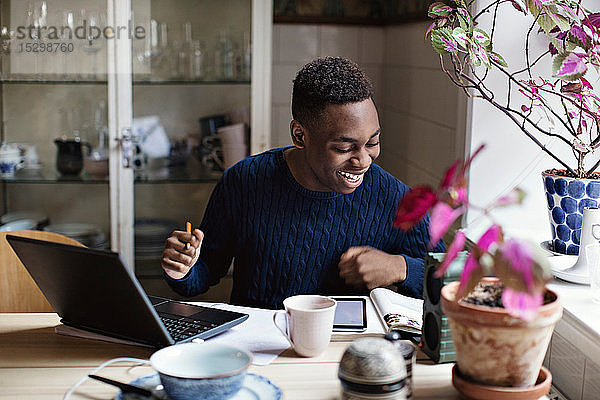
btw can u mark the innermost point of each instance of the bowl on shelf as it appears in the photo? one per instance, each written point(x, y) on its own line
point(97, 168)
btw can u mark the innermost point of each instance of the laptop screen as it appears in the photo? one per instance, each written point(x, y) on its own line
point(91, 290)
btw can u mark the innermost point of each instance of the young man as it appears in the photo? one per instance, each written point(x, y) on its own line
point(315, 217)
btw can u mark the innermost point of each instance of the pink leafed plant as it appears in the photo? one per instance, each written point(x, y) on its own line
point(520, 265)
point(564, 100)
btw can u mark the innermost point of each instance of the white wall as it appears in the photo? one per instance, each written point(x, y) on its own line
point(424, 113)
point(296, 44)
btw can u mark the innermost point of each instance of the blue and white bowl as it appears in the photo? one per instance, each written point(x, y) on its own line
point(567, 197)
point(209, 371)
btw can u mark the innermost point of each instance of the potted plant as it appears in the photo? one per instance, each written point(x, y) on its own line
point(501, 329)
point(562, 105)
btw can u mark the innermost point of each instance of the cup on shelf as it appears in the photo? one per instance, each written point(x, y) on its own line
point(10, 160)
point(233, 143)
point(234, 135)
point(31, 158)
point(233, 153)
point(309, 320)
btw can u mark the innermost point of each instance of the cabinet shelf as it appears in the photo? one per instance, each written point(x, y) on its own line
point(160, 176)
point(9, 81)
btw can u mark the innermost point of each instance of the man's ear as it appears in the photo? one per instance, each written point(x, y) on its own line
point(298, 134)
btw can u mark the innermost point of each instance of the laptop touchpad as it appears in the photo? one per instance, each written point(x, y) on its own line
point(184, 310)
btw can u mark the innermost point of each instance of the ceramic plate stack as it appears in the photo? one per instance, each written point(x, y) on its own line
point(87, 234)
point(22, 220)
point(150, 236)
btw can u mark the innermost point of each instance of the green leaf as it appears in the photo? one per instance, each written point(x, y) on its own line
point(439, 10)
point(540, 15)
point(562, 22)
point(442, 41)
point(483, 56)
point(498, 59)
point(461, 37)
point(464, 19)
point(473, 59)
point(481, 37)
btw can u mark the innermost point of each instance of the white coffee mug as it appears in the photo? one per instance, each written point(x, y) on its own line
point(309, 320)
point(590, 234)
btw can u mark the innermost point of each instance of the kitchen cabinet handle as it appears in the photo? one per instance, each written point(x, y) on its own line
point(128, 144)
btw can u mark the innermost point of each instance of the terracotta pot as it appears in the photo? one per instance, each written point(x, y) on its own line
point(494, 348)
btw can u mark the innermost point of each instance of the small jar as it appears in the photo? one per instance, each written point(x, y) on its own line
point(375, 368)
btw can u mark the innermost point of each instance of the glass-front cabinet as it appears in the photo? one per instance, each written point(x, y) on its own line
point(118, 117)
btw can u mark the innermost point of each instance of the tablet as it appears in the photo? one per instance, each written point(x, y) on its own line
point(350, 314)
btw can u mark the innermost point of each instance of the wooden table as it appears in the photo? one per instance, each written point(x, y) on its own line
point(36, 363)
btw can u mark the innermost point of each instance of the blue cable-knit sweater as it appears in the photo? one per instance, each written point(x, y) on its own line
point(288, 240)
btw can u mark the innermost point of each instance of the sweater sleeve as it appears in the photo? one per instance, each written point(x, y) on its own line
point(218, 246)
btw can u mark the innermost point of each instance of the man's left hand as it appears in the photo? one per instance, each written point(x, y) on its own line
point(366, 267)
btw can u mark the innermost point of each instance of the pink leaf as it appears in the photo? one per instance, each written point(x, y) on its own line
point(442, 216)
point(413, 207)
point(455, 247)
point(520, 258)
point(515, 196)
point(462, 195)
point(463, 12)
point(470, 160)
point(595, 19)
point(572, 65)
point(577, 32)
point(517, 6)
point(586, 84)
point(430, 29)
point(449, 176)
point(491, 236)
point(520, 304)
point(471, 265)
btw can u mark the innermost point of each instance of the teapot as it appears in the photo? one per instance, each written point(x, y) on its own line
point(69, 159)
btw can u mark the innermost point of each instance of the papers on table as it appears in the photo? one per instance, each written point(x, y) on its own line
point(257, 334)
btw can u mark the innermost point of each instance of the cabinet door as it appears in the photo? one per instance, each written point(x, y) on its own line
point(197, 66)
point(122, 141)
point(64, 99)
point(97, 72)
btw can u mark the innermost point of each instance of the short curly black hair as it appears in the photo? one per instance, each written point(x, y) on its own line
point(329, 80)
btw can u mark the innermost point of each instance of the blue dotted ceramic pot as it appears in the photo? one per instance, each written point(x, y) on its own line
point(567, 197)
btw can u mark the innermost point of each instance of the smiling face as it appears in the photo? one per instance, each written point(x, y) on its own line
point(339, 149)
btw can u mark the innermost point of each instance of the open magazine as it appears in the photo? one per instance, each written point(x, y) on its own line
point(398, 312)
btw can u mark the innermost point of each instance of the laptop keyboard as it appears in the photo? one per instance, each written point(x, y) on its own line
point(184, 328)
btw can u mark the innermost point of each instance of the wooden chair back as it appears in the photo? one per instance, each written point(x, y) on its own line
point(18, 291)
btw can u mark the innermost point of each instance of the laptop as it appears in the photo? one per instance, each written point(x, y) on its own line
point(93, 291)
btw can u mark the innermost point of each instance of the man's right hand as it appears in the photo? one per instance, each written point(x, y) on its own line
point(176, 259)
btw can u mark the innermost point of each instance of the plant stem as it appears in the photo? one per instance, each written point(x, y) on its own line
point(522, 86)
point(488, 7)
point(514, 119)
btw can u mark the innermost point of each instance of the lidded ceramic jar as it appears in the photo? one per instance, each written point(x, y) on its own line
point(375, 368)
